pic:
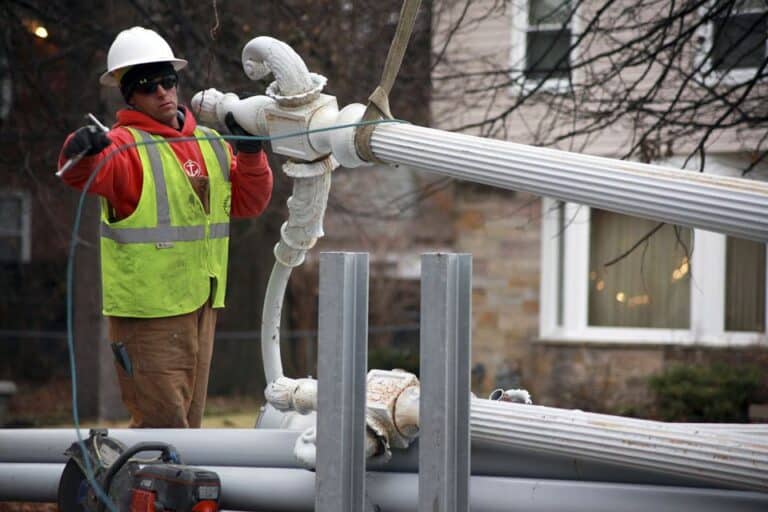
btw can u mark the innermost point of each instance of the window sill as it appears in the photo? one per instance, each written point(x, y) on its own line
point(731, 78)
point(522, 86)
point(645, 337)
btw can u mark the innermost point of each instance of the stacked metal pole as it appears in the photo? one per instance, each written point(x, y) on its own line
point(637, 450)
point(293, 490)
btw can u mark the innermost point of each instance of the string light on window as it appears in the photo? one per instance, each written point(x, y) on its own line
point(681, 271)
point(638, 300)
point(600, 283)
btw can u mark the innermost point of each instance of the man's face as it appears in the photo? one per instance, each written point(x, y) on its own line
point(158, 99)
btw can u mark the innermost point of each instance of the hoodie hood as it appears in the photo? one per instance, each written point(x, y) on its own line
point(135, 119)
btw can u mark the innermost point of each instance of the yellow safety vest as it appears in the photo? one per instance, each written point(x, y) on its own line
point(163, 259)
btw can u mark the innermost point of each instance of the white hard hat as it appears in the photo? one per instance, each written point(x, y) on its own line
point(137, 45)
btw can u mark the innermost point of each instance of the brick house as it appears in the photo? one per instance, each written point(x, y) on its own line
point(551, 310)
point(540, 320)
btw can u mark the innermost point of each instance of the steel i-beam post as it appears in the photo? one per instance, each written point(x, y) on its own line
point(444, 445)
point(341, 368)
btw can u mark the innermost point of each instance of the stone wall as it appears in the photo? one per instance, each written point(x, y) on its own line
point(602, 378)
point(615, 378)
point(501, 230)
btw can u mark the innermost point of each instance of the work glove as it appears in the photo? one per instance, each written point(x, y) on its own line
point(246, 146)
point(89, 139)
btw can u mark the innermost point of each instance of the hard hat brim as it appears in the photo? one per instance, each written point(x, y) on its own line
point(108, 78)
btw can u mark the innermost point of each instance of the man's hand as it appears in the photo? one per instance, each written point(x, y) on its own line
point(246, 146)
point(89, 139)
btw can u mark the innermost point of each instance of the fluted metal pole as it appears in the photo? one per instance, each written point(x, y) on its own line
point(726, 459)
point(733, 206)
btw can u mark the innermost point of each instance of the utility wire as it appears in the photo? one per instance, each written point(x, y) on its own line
point(74, 238)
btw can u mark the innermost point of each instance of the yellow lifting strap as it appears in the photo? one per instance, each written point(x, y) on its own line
point(378, 101)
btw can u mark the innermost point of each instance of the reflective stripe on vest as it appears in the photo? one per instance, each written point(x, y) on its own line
point(164, 232)
point(217, 143)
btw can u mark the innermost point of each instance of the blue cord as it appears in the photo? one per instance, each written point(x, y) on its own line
point(90, 476)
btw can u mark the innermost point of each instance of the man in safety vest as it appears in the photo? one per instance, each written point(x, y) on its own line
point(165, 208)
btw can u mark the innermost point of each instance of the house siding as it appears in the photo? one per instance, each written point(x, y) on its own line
point(502, 229)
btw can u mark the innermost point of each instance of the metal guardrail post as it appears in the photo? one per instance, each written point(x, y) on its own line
point(341, 368)
point(445, 347)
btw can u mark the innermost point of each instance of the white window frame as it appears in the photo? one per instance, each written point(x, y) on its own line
point(709, 75)
point(707, 308)
point(24, 232)
point(518, 52)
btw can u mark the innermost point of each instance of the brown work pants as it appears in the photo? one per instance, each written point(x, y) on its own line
point(170, 360)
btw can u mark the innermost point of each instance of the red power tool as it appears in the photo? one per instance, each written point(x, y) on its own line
point(160, 484)
point(160, 487)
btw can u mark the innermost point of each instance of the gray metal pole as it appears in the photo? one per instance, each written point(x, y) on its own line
point(274, 448)
point(292, 490)
point(341, 368)
point(508, 440)
point(444, 447)
point(218, 447)
point(29, 482)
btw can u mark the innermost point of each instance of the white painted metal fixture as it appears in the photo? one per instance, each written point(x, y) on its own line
point(292, 100)
point(294, 104)
point(518, 396)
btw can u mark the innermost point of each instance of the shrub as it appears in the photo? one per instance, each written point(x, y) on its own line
point(389, 357)
point(716, 393)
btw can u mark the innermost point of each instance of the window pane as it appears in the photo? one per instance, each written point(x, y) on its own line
point(548, 54)
point(745, 285)
point(739, 41)
point(648, 288)
point(547, 12)
point(10, 215)
point(10, 248)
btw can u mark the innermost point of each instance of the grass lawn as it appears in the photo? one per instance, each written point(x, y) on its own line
point(50, 405)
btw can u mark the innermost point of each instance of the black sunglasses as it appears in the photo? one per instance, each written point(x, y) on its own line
point(147, 86)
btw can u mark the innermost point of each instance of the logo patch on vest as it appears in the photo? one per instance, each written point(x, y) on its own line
point(192, 168)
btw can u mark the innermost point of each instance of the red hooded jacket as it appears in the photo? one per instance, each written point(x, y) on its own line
point(120, 180)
